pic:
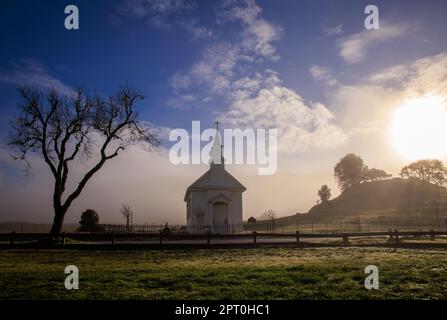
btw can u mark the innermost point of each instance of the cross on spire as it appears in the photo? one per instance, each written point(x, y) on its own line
point(217, 124)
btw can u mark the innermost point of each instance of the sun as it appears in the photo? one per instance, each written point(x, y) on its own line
point(418, 128)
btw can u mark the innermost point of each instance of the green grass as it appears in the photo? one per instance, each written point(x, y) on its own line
point(258, 273)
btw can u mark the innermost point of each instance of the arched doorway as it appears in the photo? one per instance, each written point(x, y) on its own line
point(220, 217)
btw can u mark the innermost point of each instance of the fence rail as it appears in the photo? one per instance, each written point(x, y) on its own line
point(336, 226)
point(207, 238)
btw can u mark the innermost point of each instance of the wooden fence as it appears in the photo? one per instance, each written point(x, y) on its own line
point(160, 238)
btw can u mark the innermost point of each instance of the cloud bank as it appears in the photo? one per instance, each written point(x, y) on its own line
point(354, 48)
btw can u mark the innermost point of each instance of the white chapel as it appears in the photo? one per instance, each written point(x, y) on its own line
point(214, 201)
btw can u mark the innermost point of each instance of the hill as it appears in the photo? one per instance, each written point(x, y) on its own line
point(389, 194)
point(404, 204)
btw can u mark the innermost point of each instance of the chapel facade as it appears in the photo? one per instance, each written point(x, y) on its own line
point(214, 201)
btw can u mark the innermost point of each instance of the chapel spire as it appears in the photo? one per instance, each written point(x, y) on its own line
point(216, 153)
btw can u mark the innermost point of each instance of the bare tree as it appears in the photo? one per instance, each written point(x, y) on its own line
point(63, 128)
point(271, 223)
point(128, 215)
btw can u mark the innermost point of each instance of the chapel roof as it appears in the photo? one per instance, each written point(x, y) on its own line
point(216, 178)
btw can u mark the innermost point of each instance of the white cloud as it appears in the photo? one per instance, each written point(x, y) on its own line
point(257, 34)
point(31, 72)
point(334, 30)
point(181, 101)
point(258, 37)
point(161, 132)
point(369, 102)
point(258, 99)
point(215, 70)
point(394, 73)
point(157, 12)
point(246, 87)
point(354, 48)
point(427, 75)
point(245, 10)
point(364, 109)
point(198, 32)
point(223, 63)
point(322, 74)
point(164, 14)
point(301, 126)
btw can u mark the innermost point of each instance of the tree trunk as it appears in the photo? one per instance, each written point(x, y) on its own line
point(58, 221)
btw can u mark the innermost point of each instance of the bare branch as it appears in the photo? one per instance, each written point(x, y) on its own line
point(62, 128)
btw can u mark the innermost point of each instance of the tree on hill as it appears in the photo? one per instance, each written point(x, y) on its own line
point(324, 193)
point(63, 128)
point(351, 170)
point(89, 220)
point(431, 171)
point(374, 174)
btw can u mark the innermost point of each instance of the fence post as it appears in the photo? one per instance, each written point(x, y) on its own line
point(345, 240)
point(113, 238)
point(396, 232)
point(161, 237)
point(11, 239)
point(63, 238)
point(254, 237)
point(297, 238)
point(432, 235)
point(208, 236)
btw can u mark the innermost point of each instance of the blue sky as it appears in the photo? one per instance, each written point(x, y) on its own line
point(114, 47)
point(308, 68)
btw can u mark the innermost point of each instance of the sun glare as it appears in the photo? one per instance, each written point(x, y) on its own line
point(418, 128)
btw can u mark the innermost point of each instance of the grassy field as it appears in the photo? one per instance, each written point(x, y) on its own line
point(257, 273)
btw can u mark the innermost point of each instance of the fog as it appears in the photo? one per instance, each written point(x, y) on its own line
point(151, 186)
